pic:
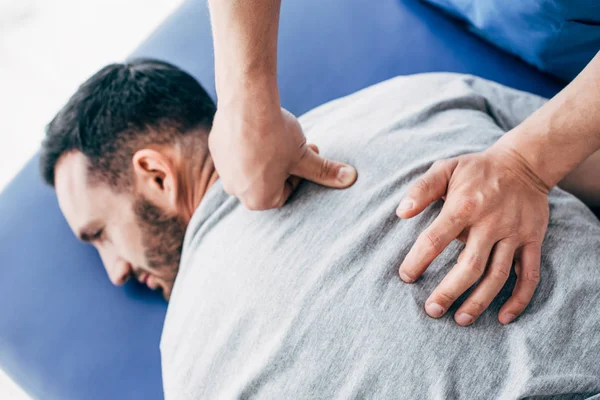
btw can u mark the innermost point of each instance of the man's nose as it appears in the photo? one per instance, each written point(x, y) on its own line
point(120, 272)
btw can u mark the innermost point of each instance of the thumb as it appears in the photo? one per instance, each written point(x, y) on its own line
point(320, 170)
point(427, 189)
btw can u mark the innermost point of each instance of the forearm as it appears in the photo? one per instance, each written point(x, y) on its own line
point(584, 181)
point(245, 42)
point(258, 148)
point(565, 131)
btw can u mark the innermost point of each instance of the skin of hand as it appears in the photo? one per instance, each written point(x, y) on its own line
point(497, 202)
point(499, 207)
point(262, 158)
point(259, 149)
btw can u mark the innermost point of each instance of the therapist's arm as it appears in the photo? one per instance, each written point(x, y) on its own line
point(496, 201)
point(259, 149)
point(564, 132)
point(584, 181)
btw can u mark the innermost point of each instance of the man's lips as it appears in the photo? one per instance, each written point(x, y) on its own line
point(149, 280)
point(143, 278)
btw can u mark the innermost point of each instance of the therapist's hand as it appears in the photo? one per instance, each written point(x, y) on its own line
point(261, 154)
point(258, 148)
point(497, 205)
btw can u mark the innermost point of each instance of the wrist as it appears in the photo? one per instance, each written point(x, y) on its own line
point(548, 159)
point(258, 89)
point(521, 163)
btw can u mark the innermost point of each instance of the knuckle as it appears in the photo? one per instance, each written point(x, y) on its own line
point(531, 277)
point(533, 233)
point(465, 208)
point(444, 298)
point(422, 185)
point(477, 306)
point(500, 273)
point(475, 263)
point(253, 204)
point(324, 169)
point(433, 241)
point(509, 240)
point(437, 164)
point(489, 230)
point(520, 303)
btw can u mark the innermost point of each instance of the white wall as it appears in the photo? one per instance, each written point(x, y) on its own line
point(48, 48)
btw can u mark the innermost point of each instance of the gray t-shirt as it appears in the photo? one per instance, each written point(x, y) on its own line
point(304, 302)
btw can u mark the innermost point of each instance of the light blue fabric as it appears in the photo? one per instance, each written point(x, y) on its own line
point(557, 36)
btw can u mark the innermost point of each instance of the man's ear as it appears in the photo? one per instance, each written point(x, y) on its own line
point(155, 177)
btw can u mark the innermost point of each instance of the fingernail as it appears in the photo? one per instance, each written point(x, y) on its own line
point(464, 319)
point(508, 318)
point(345, 175)
point(434, 310)
point(406, 204)
point(405, 277)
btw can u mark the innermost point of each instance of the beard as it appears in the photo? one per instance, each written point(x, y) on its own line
point(162, 239)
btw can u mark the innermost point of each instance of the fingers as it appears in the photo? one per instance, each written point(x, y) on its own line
point(323, 171)
point(289, 187)
point(427, 189)
point(462, 276)
point(528, 277)
point(430, 243)
point(493, 281)
point(292, 183)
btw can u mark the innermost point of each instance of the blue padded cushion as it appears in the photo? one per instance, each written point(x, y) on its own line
point(557, 36)
point(65, 331)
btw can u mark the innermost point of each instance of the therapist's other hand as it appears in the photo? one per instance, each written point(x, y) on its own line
point(261, 155)
point(497, 205)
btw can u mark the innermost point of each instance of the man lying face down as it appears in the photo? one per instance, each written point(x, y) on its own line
point(128, 157)
point(304, 301)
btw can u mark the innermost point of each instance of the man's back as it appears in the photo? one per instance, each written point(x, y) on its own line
point(305, 301)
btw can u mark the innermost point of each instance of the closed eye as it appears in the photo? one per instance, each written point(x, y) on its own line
point(90, 235)
point(98, 235)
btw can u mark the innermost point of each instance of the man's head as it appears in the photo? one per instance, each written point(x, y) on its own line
point(128, 157)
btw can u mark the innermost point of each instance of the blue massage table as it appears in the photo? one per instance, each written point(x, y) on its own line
point(65, 331)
